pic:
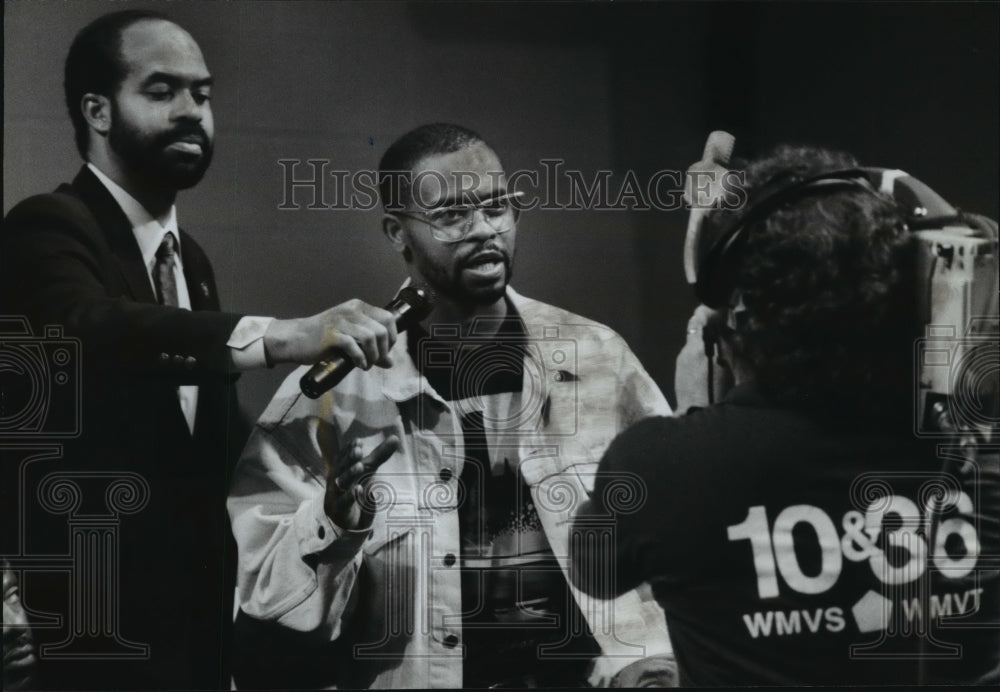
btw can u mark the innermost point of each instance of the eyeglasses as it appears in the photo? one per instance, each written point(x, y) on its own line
point(453, 223)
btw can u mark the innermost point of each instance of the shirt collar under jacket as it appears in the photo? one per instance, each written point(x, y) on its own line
point(403, 381)
point(148, 231)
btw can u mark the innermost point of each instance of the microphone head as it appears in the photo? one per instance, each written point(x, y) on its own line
point(712, 167)
point(719, 147)
point(419, 301)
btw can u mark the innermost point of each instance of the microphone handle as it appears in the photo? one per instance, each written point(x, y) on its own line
point(327, 373)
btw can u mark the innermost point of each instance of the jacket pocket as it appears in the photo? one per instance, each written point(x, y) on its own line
point(385, 533)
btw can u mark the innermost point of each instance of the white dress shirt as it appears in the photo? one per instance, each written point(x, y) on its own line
point(247, 339)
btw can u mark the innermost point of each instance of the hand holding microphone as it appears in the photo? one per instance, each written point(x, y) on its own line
point(362, 335)
point(354, 331)
point(696, 382)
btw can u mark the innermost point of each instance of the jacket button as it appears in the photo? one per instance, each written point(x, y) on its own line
point(164, 357)
point(451, 641)
point(190, 362)
point(445, 474)
point(559, 376)
point(179, 360)
point(449, 559)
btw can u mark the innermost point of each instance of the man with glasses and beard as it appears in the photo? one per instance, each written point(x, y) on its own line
point(409, 528)
point(104, 259)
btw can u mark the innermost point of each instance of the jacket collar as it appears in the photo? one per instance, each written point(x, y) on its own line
point(147, 230)
point(117, 230)
point(402, 381)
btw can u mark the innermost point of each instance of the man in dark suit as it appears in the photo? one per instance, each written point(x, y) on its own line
point(103, 258)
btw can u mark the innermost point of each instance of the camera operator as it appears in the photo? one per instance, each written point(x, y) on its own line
point(793, 534)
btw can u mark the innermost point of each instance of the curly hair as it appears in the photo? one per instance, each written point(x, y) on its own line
point(827, 285)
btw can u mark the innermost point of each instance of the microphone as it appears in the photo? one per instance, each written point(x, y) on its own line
point(714, 160)
point(409, 307)
point(719, 147)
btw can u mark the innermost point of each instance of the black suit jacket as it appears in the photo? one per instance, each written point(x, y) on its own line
point(70, 259)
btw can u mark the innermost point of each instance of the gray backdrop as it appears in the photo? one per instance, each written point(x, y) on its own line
point(620, 87)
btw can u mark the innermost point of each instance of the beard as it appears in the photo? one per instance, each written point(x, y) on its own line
point(20, 661)
point(146, 156)
point(452, 283)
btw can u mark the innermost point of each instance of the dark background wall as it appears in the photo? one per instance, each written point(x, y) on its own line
point(624, 87)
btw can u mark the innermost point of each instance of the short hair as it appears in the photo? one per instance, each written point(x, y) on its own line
point(403, 154)
point(95, 65)
point(827, 282)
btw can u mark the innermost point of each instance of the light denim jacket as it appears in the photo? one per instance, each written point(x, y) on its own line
point(582, 386)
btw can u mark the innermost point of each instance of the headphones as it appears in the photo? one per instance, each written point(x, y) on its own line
point(956, 259)
point(718, 252)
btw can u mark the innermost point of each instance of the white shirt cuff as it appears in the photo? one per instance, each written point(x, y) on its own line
point(246, 343)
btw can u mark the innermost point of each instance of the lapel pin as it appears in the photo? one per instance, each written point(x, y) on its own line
point(204, 289)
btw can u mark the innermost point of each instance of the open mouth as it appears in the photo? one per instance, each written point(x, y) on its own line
point(486, 264)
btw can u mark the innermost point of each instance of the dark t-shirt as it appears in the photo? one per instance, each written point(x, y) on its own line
point(789, 549)
point(520, 623)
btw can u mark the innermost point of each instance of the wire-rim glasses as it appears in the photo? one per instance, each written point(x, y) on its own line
point(452, 223)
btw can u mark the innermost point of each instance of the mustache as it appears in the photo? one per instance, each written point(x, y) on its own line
point(489, 251)
point(185, 132)
point(17, 645)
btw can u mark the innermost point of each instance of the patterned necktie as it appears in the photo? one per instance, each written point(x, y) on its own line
point(164, 278)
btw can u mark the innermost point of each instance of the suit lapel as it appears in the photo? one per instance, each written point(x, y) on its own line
point(119, 234)
point(197, 276)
